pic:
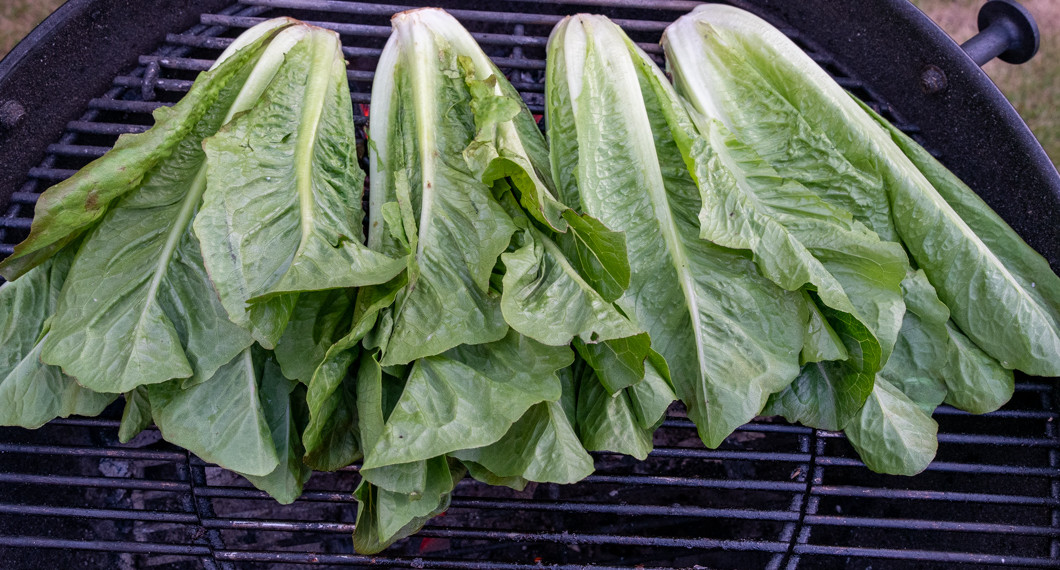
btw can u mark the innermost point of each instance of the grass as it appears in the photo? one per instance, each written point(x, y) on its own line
point(1033, 88)
point(18, 17)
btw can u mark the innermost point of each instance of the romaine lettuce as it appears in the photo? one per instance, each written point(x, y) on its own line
point(729, 336)
point(735, 67)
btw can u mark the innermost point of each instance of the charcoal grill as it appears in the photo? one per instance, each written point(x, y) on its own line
point(774, 495)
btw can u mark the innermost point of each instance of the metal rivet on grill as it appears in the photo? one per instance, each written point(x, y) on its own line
point(932, 79)
point(11, 113)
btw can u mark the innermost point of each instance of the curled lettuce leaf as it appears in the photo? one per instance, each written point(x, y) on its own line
point(540, 446)
point(283, 404)
point(384, 517)
point(546, 298)
point(467, 397)
point(222, 420)
point(625, 421)
point(891, 433)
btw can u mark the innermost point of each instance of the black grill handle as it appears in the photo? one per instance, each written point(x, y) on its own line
point(1006, 31)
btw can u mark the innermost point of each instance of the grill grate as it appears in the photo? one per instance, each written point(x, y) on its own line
point(774, 495)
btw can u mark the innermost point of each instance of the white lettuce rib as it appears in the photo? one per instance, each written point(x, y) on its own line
point(378, 133)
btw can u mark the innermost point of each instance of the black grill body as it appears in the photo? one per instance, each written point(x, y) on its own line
point(773, 496)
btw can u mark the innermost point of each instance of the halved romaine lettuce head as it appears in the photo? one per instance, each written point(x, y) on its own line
point(737, 69)
point(74, 206)
point(502, 280)
point(461, 183)
point(260, 199)
point(138, 306)
point(730, 337)
point(281, 213)
point(776, 181)
point(193, 246)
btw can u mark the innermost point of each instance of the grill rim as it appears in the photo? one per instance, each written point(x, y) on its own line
point(797, 544)
point(39, 73)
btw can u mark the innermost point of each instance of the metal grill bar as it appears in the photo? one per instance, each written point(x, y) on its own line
point(926, 556)
point(924, 525)
point(87, 151)
point(124, 106)
point(609, 539)
point(92, 128)
point(364, 30)
point(121, 453)
point(623, 510)
point(462, 15)
point(105, 545)
point(356, 560)
point(51, 174)
point(976, 468)
point(152, 516)
point(947, 496)
point(95, 482)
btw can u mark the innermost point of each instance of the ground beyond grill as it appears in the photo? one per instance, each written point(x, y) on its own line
point(774, 495)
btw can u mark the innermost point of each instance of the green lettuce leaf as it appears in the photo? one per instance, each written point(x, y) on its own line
point(138, 307)
point(384, 517)
point(222, 420)
point(545, 298)
point(625, 421)
point(922, 351)
point(284, 406)
point(540, 446)
point(316, 324)
point(975, 382)
point(798, 239)
point(33, 393)
point(941, 359)
point(735, 67)
point(136, 415)
point(480, 473)
point(828, 394)
point(619, 363)
point(892, 434)
point(331, 438)
point(509, 147)
point(281, 212)
point(467, 397)
point(730, 337)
